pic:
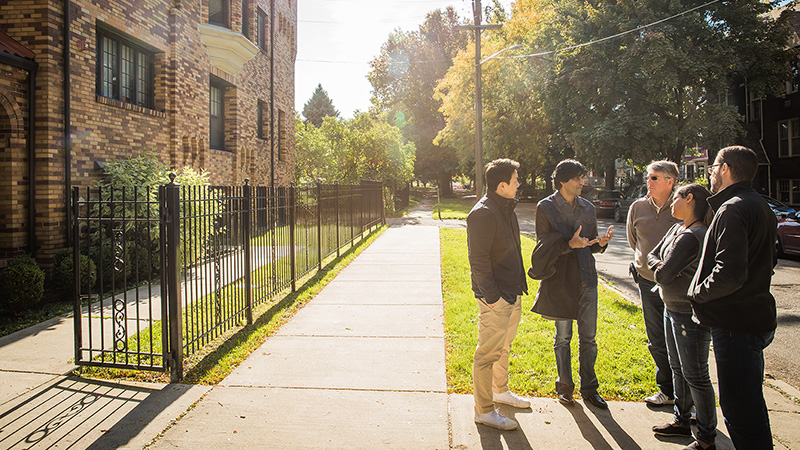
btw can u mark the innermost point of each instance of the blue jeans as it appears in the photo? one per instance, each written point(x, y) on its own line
point(653, 311)
point(687, 345)
point(740, 370)
point(587, 348)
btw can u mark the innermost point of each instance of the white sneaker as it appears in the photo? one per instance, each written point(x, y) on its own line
point(659, 398)
point(496, 420)
point(511, 399)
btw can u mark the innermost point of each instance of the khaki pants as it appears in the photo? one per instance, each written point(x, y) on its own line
point(497, 327)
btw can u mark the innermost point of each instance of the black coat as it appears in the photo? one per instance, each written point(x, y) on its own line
point(495, 254)
point(730, 289)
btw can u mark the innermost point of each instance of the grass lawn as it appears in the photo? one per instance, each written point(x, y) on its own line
point(453, 208)
point(624, 365)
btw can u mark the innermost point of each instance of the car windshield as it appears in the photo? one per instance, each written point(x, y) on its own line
point(609, 195)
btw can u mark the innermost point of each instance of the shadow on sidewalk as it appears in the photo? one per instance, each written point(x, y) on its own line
point(84, 413)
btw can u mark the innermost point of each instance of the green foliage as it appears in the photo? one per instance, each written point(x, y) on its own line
point(22, 284)
point(137, 178)
point(624, 365)
point(403, 78)
point(366, 146)
point(63, 271)
point(318, 107)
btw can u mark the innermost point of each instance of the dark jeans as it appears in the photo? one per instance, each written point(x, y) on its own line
point(740, 370)
point(653, 311)
point(687, 345)
point(587, 346)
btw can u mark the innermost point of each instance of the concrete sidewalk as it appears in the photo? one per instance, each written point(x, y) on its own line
point(361, 366)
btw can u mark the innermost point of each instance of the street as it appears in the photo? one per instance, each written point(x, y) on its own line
point(782, 362)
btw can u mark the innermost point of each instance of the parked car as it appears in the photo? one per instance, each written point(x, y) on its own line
point(605, 202)
point(622, 207)
point(780, 209)
point(527, 193)
point(789, 235)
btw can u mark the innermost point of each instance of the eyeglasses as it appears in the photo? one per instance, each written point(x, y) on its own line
point(657, 177)
point(713, 166)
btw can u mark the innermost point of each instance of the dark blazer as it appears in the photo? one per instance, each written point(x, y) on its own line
point(730, 289)
point(495, 253)
point(555, 263)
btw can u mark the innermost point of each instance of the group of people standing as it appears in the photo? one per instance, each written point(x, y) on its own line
point(703, 263)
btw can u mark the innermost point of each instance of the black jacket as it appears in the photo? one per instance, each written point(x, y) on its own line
point(495, 254)
point(555, 263)
point(730, 289)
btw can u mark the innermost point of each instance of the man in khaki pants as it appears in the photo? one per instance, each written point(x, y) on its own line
point(498, 280)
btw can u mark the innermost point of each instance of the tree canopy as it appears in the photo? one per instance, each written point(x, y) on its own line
point(318, 107)
point(631, 79)
point(403, 77)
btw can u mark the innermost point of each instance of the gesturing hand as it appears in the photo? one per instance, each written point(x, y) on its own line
point(580, 242)
point(603, 241)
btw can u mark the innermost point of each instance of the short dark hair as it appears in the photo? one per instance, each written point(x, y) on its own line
point(741, 161)
point(567, 170)
point(700, 194)
point(497, 171)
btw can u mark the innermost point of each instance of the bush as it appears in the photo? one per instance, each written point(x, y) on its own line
point(63, 271)
point(136, 262)
point(22, 284)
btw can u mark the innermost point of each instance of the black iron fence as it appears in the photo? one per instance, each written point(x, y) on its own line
point(160, 273)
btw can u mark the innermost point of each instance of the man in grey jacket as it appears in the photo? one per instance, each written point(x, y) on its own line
point(498, 281)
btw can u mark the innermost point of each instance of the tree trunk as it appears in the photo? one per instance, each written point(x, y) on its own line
point(445, 184)
point(611, 174)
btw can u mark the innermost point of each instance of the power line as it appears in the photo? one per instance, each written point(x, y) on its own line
point(642, 27)
point(550, 52)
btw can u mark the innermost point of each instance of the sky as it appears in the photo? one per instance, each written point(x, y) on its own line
point(336, 39)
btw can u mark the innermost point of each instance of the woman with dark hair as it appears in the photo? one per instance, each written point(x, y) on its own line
point(674, 261)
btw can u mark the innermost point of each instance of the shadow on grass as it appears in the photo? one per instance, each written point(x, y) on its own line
point(252, 336)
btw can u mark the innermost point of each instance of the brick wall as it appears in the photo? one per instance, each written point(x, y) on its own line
point(177, 125)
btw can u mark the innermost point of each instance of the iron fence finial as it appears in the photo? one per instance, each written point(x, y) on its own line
point(172, 177)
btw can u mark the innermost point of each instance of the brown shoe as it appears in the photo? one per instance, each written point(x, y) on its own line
point(671, 429)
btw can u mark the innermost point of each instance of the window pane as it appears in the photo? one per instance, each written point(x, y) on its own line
point(783, 191)
point(262, 30)
point(143, 87)
point(109, 67)
point(217, 118)
point(127, 74)
point(783, 138)
point(246, 18)
point(217, 12)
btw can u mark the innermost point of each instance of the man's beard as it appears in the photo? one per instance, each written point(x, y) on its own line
point(716, 181)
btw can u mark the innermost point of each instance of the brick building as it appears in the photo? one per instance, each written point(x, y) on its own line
point(204, 83)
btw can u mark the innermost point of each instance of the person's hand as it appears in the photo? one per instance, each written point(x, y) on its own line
point(603, 240)
point(580, 242)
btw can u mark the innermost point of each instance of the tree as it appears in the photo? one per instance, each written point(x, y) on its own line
point(318, 107)
point(404, 76)
point(642, 95)
point(366, 146)
point(653, 93)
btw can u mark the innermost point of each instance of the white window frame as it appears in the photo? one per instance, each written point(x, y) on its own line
point(789, 143)
point(789, 191)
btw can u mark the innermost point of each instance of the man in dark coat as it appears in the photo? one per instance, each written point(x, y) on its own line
point(566, 233)
point(730, 293)
point(498, 281)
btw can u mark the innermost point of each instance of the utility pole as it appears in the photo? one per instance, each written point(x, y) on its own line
point(477, 27)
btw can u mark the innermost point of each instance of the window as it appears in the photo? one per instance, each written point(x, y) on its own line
point(793, 85)
point(281, 135)
point(263, 111)
point(262, 29)
point(125, 70)
point(219, 13)
point(246, 18)
point(789, 191)
point(789, 138)
point(755, 107)
point(216, 112)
